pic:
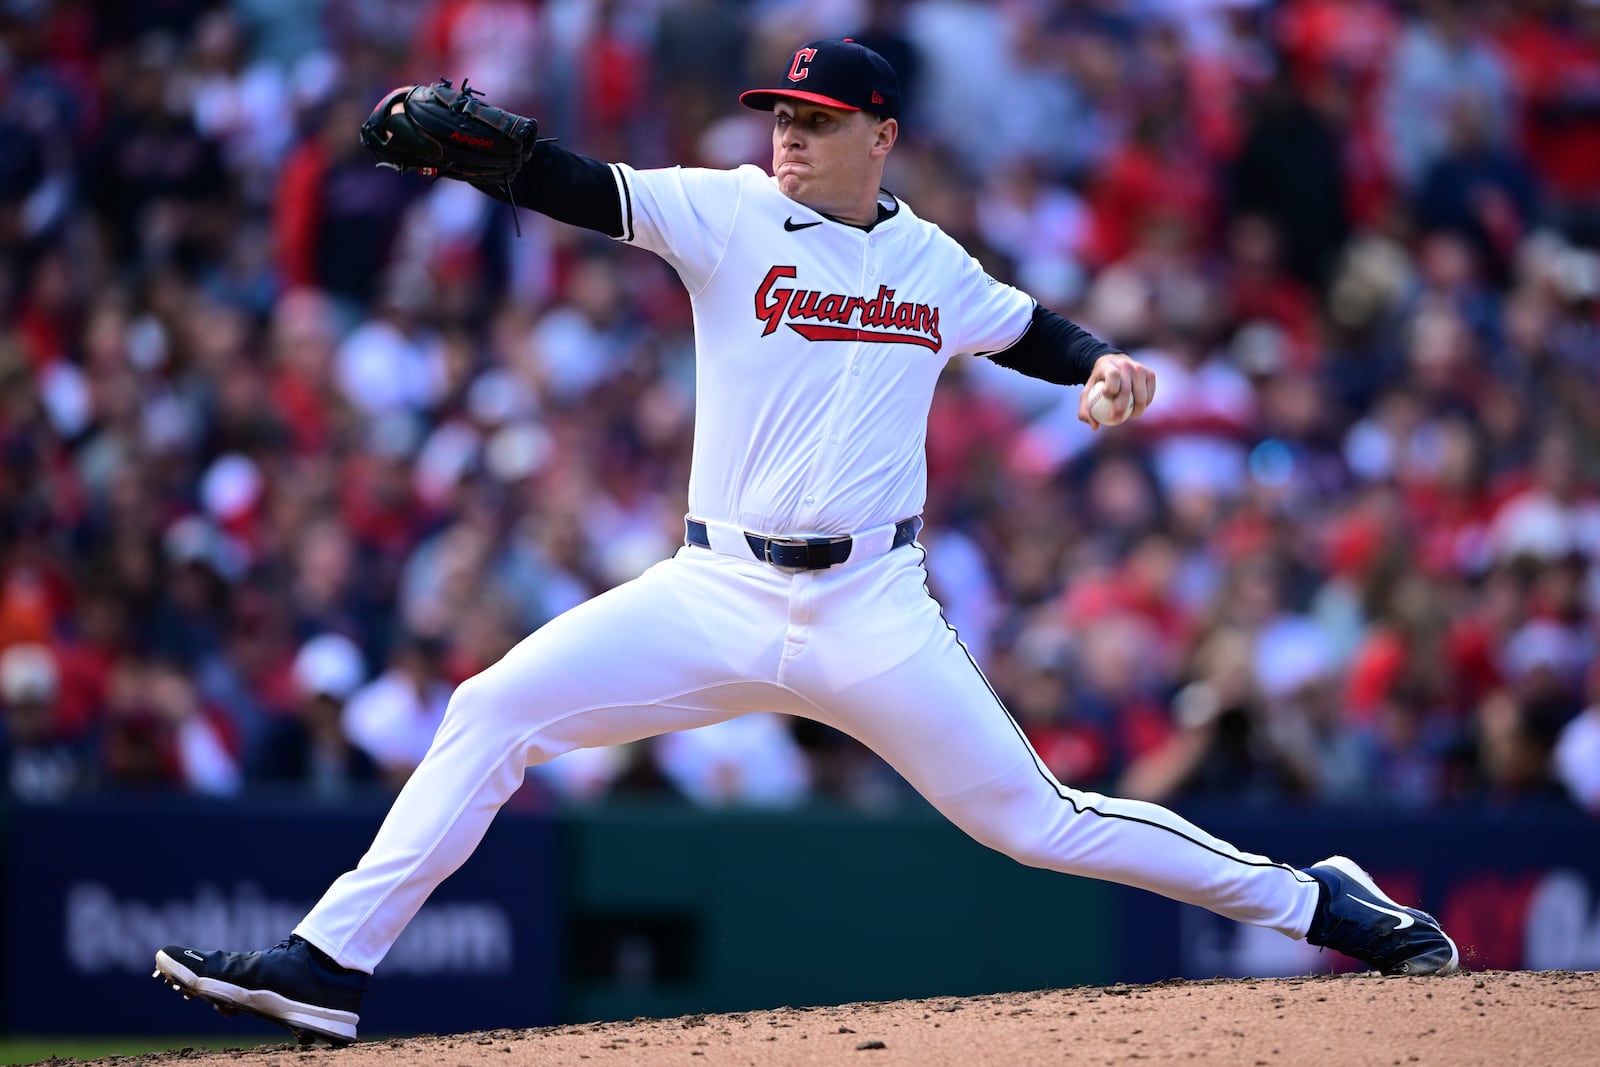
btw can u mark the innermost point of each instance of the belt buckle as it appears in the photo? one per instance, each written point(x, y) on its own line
point(809, 546)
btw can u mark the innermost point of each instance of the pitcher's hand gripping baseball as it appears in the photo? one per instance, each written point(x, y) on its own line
point(1119, 389)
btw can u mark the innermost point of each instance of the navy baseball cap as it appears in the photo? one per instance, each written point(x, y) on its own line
point(840, 74)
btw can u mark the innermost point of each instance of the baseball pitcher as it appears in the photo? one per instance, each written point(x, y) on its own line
point(824, 309)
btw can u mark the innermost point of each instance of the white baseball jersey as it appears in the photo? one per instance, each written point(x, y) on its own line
point(819, 346)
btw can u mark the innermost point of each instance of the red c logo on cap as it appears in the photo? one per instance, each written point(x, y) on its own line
point(796, 71)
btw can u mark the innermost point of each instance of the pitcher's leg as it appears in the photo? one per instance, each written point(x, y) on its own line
point(1020, 809)
point(629, 664)
point(921, 703)
point(1045, 824)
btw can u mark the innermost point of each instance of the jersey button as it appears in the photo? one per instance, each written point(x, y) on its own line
point(811, 500)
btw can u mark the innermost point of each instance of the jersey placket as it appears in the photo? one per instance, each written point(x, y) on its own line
point(849, 387)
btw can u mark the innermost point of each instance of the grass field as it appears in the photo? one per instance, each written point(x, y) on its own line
point(25, 1049)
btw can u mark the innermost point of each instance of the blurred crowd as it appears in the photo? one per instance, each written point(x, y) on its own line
point(290, 445)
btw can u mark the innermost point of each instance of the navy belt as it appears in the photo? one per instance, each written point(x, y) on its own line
point(802, 553)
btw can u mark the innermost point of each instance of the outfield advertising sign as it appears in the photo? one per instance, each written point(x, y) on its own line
point(668, 910)
point(1515, 890)
point(96, 888)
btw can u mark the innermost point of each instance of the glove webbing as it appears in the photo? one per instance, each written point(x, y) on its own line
point(506, 124)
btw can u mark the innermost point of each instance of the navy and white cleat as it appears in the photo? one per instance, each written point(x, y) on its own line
point(293, 984)
point(1357, 918)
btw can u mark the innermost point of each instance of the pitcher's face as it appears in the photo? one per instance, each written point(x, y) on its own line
point(828, 158)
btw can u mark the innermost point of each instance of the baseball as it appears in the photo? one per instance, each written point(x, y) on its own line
point(1109, 411)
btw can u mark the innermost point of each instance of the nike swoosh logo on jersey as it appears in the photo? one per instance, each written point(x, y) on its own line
point(1405, 920)
point(791, 225)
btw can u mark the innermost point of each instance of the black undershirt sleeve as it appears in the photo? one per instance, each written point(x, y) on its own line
point(568, 187)
point(1053, 349)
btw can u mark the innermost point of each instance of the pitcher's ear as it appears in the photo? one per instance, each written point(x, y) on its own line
point(888, 132)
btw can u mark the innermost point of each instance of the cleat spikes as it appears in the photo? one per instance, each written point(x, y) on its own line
point(156, 973)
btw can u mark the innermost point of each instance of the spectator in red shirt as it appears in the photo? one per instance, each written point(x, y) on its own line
point(1556, 69)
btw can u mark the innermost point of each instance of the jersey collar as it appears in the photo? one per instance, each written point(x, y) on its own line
point(888, 208)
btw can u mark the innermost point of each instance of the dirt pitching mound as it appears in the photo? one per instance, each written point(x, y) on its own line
point(1489, 1017)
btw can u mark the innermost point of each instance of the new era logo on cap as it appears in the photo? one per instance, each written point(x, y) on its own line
point(842, 74)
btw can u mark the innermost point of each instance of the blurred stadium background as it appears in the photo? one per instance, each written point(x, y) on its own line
point(290, 445)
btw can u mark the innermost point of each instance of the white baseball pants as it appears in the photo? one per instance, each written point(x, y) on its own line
point(706, 636)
